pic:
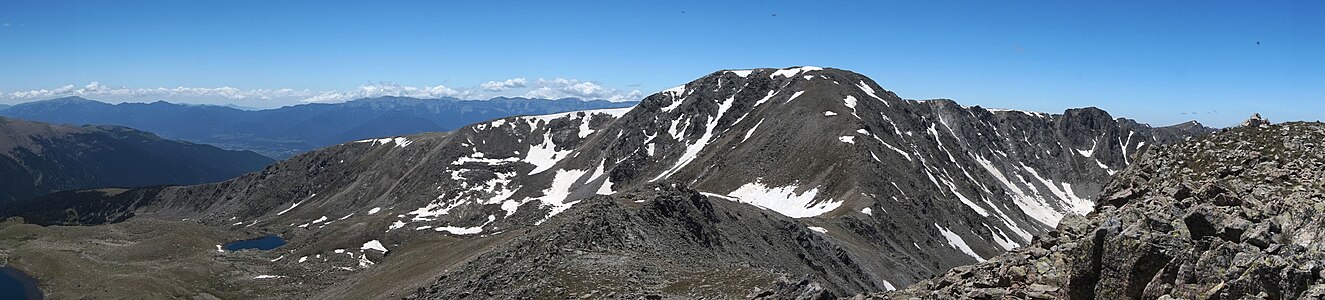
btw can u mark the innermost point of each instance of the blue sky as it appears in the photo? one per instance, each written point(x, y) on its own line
point(1156, 62)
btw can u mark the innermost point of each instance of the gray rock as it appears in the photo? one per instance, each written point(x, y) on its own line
point(1225, 252)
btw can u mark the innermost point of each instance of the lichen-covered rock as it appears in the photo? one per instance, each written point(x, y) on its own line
point(1238, 214)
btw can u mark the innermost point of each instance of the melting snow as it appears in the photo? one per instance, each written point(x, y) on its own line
point(789, 72)
point(468, 230)
point(544, 156)
point(692, 150)
point(374, 245)
point(1031, 206)
point(268, 276)
point(847, 139)
point(461, 230)
point(869, 90)
point(1002, 239)
point(829, 113)
point(783, 200)
point(399, 141)
point(606, 187)
point(374, 210)
point(850, 102)
point(556, 194)
point(794, 95)
point(972, 205)
point(890, 146)
point(1029, 113)
point(397, 225)
point(364, 262)
point(1091, 151)
point(817, 228)
point(296, 204)
point(752, 130)
point(956, 241)
point(867, 211)
point(584, 130)
point(741, 73)
point(1105, 167)
point(765, 99)
point(677, 94)
point(1078, 205)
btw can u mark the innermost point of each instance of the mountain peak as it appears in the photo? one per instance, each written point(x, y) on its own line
point(764, 84)
point(72, 99)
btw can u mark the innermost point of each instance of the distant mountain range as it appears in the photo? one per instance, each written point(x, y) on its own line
point(285, 131)
point(40, 158)
point(739, 180)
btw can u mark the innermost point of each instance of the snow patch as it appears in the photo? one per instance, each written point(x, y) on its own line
point(692, 150)
point(752, 130)
point(817, 228)
point(783, 200)
point(870, 91)
point(398, 141)
point(556, 194)
point(543, 156)
point(296, 204)
point(829, 113)
point(373, 245)
point(957, 242)
point(850, 102)
point(789, 72)
point(794, 95)
point(1031, 206)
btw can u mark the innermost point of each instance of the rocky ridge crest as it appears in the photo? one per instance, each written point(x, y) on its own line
point(1237, 214)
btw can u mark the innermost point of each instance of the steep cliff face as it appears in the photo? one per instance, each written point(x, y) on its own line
point(901, 189)
point(1237, 214)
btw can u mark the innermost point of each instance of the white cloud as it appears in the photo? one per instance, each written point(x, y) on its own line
point(497, 86)
point(389, 89)
point(574, 88)
point(97, 89)
point(556, 88)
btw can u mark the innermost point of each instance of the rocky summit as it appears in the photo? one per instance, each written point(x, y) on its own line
point(802, 176)
point(1239, 214)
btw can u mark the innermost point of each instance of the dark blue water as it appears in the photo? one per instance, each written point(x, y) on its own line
point(16, 285)
point(264, 243)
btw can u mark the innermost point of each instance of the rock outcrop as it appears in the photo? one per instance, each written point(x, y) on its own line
point(1235, 215)
point(1256, 121)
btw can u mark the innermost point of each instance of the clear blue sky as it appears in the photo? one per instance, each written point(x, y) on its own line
point(1156, 62)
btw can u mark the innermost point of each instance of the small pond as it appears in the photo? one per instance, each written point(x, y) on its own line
point(264, 243)
point(14, 284)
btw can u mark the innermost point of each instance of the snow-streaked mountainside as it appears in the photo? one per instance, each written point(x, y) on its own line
point(899, 189)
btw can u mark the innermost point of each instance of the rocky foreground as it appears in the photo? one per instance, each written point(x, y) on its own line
point(1238, 214)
